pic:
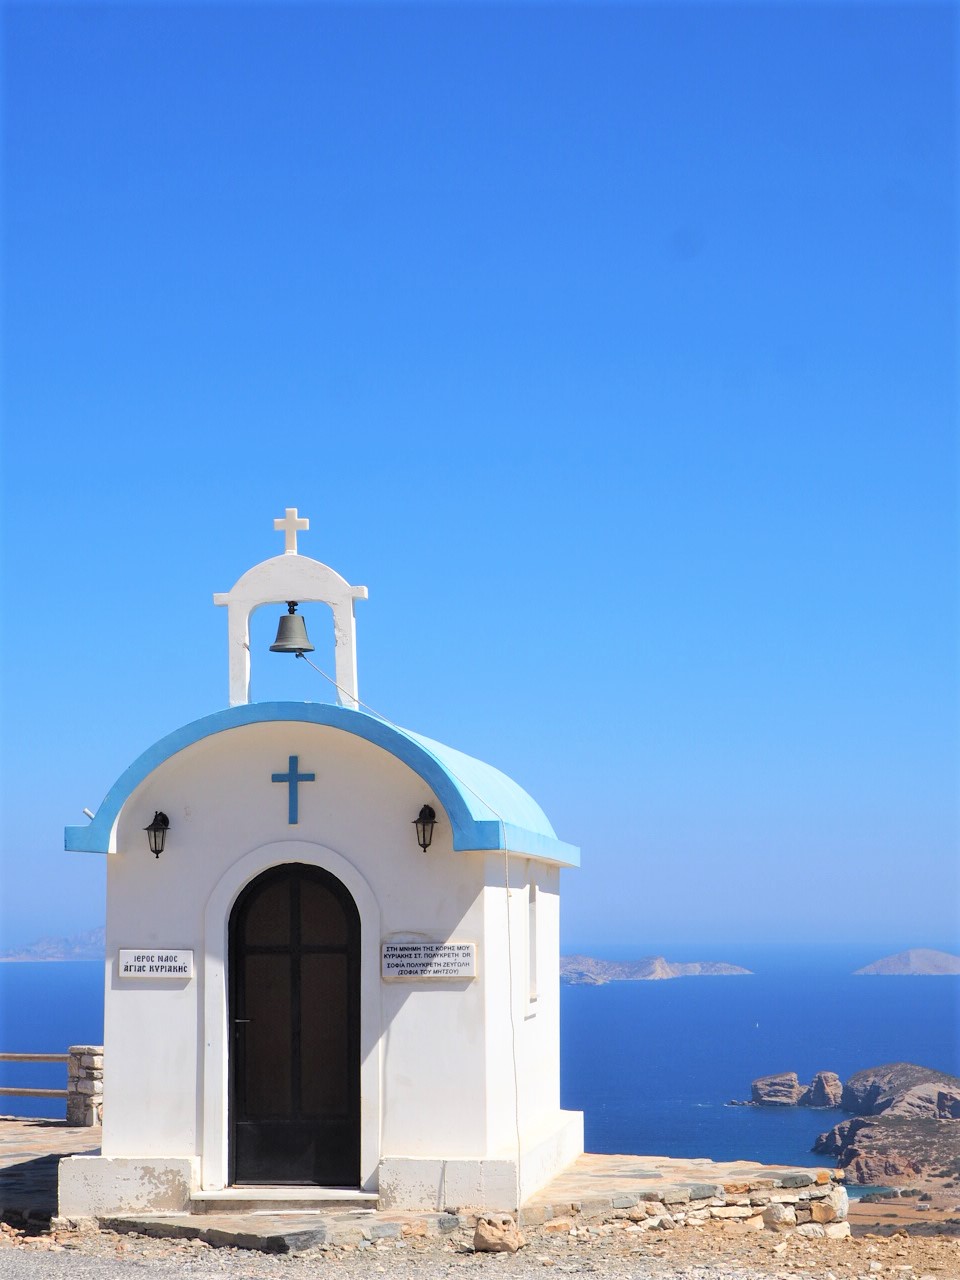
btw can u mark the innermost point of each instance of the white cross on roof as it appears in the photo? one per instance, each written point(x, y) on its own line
point(290, 525)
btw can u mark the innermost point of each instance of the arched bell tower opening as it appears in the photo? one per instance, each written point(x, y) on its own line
point(294, 1027)
point(292, 579)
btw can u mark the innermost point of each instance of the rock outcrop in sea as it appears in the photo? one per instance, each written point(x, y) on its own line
point(785, 1090)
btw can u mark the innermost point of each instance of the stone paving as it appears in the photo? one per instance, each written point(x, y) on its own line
point(30, 1151)
point(595, 1176)
point(592, 1188)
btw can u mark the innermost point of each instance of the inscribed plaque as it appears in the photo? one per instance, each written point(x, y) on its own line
point(429, 960)
point(134, 963)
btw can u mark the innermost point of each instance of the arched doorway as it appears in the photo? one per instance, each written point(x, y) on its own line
point(294, 1008)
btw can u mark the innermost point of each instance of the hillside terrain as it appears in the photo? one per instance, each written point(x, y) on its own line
point(588, 971)
point(919, 961)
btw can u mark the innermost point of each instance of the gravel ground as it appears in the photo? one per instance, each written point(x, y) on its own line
point(707, 1253)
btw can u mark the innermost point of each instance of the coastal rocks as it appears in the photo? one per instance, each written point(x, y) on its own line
point(781, 1090)
point(906, 1123)
point(906, 1119)
point(825, 1090)
point(839, 1138)
point(785, 1090)
point(899, 1088)
point(887, 1150)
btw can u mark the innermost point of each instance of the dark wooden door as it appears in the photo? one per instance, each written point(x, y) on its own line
point(295, 1020)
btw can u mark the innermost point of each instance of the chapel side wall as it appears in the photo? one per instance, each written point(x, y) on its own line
point(222, 807)
point(432, 1051)
point(150, 1027)
point(536, 1022)
point(433, 1084)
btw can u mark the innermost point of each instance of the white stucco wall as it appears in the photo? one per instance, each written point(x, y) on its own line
point(522, 1033)
point(437, 1077)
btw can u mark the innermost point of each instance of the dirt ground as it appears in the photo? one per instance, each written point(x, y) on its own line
point(939, 1214)
point(893, 1241)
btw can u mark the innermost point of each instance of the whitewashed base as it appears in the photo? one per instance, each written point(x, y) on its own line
point(95, 1186)
point(436, 1183)
point(91, 1186)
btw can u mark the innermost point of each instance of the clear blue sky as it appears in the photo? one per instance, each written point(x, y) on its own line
point(612, 346)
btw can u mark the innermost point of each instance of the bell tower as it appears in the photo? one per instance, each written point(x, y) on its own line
point(291, 579)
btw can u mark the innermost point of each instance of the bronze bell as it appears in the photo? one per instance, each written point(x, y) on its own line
point(291, 633)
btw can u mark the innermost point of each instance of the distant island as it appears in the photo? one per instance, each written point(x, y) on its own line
point(916, 962)
point(90, 945)
point(587, 971)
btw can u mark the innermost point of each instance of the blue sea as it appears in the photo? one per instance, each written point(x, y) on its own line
point(651, 1064)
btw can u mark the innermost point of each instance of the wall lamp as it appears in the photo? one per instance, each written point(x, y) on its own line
point(425, 821)
point(157, 833)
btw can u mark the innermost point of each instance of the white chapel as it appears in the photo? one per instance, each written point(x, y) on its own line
point(332, 963)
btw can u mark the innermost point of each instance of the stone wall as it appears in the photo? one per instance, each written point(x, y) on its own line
point(810, 1204)
point(85, 1085)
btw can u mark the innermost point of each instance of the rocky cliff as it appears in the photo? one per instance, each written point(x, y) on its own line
point(905, 1120)
point(901, 1088)
point(588, 971)
point(906, 1124)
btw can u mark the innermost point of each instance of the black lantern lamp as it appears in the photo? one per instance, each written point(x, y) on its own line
point(157, 833)
point(292, 633)
point(425, 821)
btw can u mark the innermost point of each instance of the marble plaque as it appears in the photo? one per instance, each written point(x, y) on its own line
point(134, 963)
point(412, 960)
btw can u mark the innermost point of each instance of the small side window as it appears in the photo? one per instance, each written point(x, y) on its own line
point(532, 903)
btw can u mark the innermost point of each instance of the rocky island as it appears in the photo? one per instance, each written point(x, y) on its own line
point(919, 961)
point(904, 1125)
point(785, 1090)
point(588, 971)
point(82, 946)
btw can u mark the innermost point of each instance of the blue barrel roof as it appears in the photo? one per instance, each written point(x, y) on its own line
point(485, 808)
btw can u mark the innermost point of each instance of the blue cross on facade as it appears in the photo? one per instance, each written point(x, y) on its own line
point(293, 777)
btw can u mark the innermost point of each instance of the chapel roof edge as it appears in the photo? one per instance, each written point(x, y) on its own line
point(487, 810)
